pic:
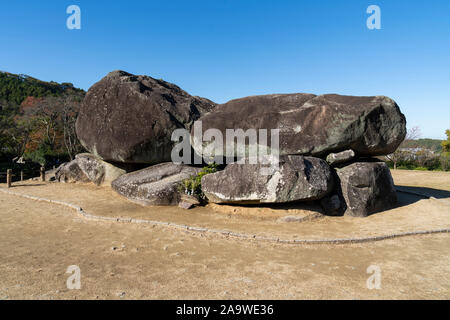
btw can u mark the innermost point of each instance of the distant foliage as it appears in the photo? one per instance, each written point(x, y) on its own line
point(422, 154)
point(430, 144)
point(37, 119)
point(16, 88)
point(445, 157)
point(446, 143)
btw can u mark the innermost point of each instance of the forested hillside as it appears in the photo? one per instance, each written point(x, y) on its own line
point(16, 88)
point(430, 144)
point(37, 119)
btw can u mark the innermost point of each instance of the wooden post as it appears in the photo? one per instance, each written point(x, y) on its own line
point(42, 174)
point(21, 175)
point(8, 178)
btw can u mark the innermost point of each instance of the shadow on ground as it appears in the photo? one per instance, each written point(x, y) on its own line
point(409, 195)
point(406, 196)
point(425, 192)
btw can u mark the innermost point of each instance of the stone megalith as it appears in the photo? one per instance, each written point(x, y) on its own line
point(297, 178)
point(130, 119)
point(313, 125)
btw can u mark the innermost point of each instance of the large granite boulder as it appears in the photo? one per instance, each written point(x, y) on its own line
point(364, 188)
point(297, 178)
point(157, 185)
point(314, 125)
point(130, 119)
point(88, 168)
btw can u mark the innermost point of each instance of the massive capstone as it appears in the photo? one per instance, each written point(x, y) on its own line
point(130, 119)
point(313, 125)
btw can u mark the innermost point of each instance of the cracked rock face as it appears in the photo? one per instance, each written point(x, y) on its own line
point(315, 125)
point(366, 188)
point(154, 186)
point(130, 119)
point(70, 172)
point(298, 178)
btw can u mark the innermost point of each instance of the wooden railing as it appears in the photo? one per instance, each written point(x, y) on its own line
point(9, 175)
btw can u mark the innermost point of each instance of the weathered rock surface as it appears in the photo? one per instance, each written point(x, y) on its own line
point(88, 168)
point(314, 125)
point(341, 157)
point(130, 119)
point(186, 205)
point(365, 188)
point(98, 171)
point(70, 172)
point(298, 178)
point(188, 202)
point(156, 185)
point(190, 199)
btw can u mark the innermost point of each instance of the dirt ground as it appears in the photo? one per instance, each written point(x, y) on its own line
point(39, 241)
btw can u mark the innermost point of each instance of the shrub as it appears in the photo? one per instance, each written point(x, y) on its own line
point(445, 161)
point(193, 185)
point(435, 163)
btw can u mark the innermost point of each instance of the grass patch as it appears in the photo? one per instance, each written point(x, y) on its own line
point(193, 185)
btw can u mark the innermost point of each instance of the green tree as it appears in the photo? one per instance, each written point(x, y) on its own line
point(38, 117)
point(14, 131)
point(446, 143)
point(445, 156)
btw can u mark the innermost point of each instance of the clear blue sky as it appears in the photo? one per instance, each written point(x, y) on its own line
point(229, 49)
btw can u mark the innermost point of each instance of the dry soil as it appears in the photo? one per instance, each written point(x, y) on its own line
point(40, 240)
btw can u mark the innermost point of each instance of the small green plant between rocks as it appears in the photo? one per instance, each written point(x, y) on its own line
point(193, 185)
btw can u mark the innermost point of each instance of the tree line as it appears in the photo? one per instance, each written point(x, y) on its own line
point(37, 120)
point(37, 123)
point(421, 154)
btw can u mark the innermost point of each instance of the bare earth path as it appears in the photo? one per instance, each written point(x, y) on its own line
point(40, 240)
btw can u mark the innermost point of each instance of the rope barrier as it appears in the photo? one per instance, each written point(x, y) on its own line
point(226, 233)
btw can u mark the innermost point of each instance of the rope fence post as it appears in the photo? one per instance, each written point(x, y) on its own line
point(42, 174)
point(21, 175)
point(8, 178)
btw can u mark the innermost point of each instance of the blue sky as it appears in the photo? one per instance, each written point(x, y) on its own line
point(226, 49)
